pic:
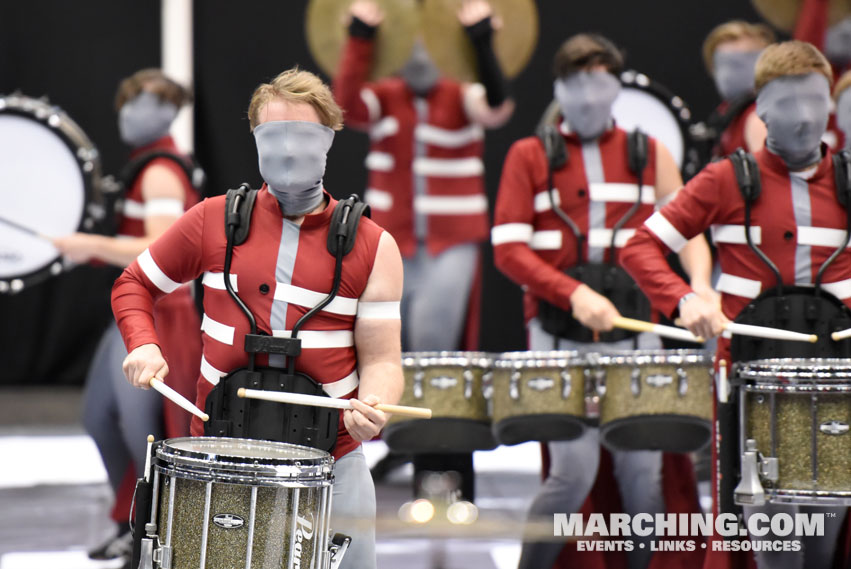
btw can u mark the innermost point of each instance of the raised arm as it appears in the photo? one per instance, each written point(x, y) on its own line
point(378, 343)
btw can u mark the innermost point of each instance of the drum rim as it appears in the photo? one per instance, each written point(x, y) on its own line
point(447, 358)
point(793, 374)
point(644, 357)
point(83, 151)
point(555, 358)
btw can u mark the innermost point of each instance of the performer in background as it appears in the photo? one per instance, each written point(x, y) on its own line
point(540, 236)
point(842, 100)
point(426, 181)
point(730, 52)
point(791, 218)
point(351, 348)
point(118, 417)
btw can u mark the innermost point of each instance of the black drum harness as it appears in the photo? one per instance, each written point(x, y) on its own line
point(608, 279)
point(233, 416)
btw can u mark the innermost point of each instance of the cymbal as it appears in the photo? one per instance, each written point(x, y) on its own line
point(326, 23)
point(451, 50)
point(783, 14)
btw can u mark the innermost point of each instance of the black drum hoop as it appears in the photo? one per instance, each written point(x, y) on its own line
point(88, 160)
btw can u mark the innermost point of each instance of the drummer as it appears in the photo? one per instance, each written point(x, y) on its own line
point(119, 418)
point(729, 53)
point(842, 99)
point(798, 197)
point(282, 265)
point(540, 238)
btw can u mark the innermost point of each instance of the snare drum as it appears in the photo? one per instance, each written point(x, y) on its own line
point(221, 503)
point(796, 415)
point(49, 183)
point(455, 386)
point(538, 396)
point(654, 399)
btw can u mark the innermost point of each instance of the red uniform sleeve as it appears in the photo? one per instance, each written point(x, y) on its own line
point(694, 209)
point(811, 25)
point(514, 226)
point(351, 79)
point(173, 259)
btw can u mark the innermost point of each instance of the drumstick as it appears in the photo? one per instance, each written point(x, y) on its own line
point(19, 227)
point(177, 398)
point(666, 331)
point(148, 459)
point(318, 401)
point(841, 335)
point(770, 333)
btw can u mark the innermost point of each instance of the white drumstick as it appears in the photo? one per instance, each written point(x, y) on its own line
point(841, 335)
point(148, 459)
point(666, 331)
point(722, 384)
point(317, 401)
point(177, 398)
point(770, 333)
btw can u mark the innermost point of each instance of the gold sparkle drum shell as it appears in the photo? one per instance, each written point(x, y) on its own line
point(798, 412)
point(221, 503)
point(654, 399)
point(538, 396)
point(455, 386)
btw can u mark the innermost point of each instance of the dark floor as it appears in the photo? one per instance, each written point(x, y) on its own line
point(54, 498)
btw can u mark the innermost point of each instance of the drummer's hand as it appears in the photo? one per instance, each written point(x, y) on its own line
point(77, 247)
point(364, 421)
point(592, 309)
point(143, 363)
point(368, 12)
point(701, 317)
point(472, 12)
point(707, 293)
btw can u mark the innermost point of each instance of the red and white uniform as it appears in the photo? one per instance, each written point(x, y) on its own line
point(280, 272)
point(175, 316)
point(797, 222)
point(426, 180)
point(532, 245)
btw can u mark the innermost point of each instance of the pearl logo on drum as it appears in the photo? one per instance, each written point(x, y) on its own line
point(303, 532)
point(228, 521)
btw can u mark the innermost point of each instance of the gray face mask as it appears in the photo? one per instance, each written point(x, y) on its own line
point(837, 42)
point(145, 118)
point(843, 116)
point(586, 99)
point(419, 72)
point(795, 110)
point(734, 73)
point(292, 158)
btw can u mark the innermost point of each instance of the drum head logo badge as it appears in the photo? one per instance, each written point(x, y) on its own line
point(228, 521)
point(834, 428)
point(541, 383)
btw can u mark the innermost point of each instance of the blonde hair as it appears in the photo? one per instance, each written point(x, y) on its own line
point(790, 58)
point(733, 31)
point(296, 86)
point(842, 84)
point(153, 81)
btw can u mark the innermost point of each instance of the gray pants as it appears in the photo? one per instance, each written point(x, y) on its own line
point(816, 551)
point(118, 416)
point(353, 509)
point(573, 468)
point(435, 297)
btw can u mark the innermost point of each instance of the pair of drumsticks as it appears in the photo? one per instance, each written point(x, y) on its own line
point(286, 397)
point(677, 333)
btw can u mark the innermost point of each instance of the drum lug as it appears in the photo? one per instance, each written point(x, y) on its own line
point(487, 384)
point(635, 382)
point(566, 383)
point(682, 386)
point(514, 385)
point(468, 383)
point(339, 545)
point(769, 468)
point(419, 376)
point(749, 491)
point(592, 398)
point(600, 382)
point(162, 557)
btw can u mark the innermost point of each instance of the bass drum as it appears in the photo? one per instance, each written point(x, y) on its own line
point(49, 186)
point(646, 104)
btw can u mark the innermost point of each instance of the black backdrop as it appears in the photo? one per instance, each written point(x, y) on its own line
point(77, 52)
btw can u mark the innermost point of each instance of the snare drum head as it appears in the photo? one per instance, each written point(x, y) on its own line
point(45, 182)
point(240, 450)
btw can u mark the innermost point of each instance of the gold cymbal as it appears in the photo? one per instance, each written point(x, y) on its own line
point(450, 48)
point(326, 23)
point(783, 14)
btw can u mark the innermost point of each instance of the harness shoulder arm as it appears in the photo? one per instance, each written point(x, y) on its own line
point(747, 174)
point(344, 223)
point(239, 203)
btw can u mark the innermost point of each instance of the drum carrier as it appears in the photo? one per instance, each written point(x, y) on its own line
point(608, 279)
point(233, 416)
point(792, 307)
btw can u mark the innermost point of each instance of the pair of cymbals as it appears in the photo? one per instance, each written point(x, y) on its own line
point(435, 22)
point(784, 14)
